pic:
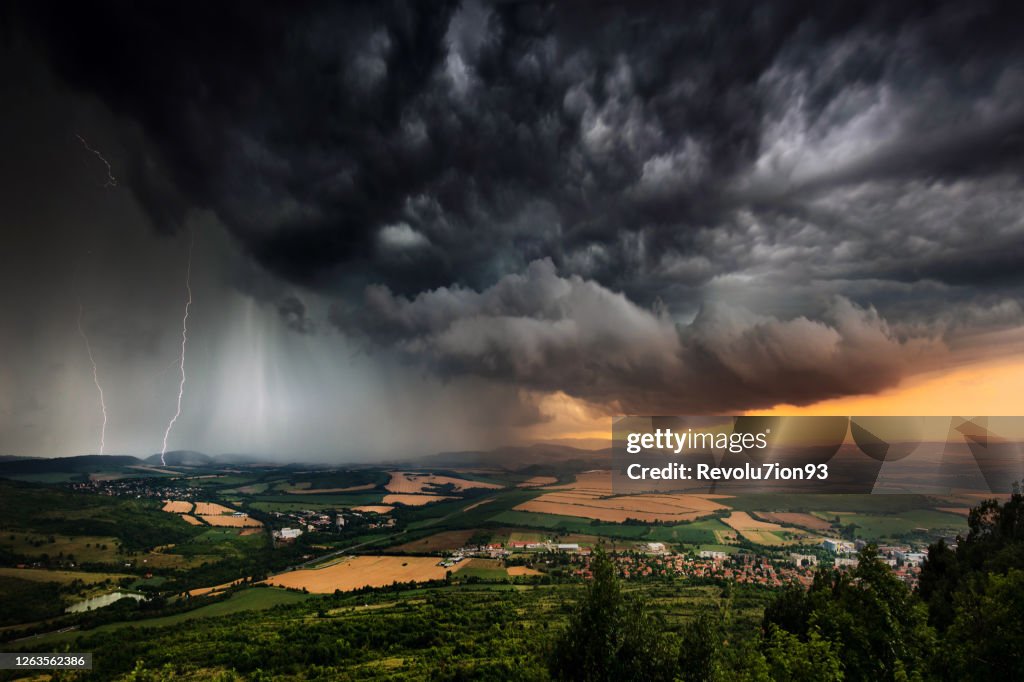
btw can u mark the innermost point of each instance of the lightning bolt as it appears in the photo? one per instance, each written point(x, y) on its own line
point(184, 342)
point(95, 380)
point(111, 180)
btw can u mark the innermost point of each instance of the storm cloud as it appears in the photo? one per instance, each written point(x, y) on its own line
point(549, 333)
point(606, 139)
point(693, 207)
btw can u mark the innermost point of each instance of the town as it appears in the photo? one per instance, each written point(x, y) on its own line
point(655, 560)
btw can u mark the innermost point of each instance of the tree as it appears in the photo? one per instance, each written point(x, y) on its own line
point(994, 544)
point(985, 638)
point(937, 582)
point(610, 635)
point(699, 649)
point(869, 616)
point(792, 660)
point(790, 610)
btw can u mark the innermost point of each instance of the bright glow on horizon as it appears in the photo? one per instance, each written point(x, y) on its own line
point(991, 388)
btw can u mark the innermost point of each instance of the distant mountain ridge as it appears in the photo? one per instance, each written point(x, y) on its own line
point(14, 458)
point(537, 457)
point(81, 464)
point(181, 458)
point(522, 457)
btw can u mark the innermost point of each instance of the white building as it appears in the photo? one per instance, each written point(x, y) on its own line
point(839, 546)
point(914, 558)
point(803, 559)
point(713, 554)
point(288, 533)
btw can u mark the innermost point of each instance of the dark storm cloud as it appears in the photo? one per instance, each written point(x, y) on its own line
point(310, 132)
point(551, 333)
point(293, 312)
point(473, 164)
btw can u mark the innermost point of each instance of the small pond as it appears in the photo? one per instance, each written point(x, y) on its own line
point(101, 601)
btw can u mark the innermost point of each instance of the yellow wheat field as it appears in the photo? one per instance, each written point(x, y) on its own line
point(231, 521)
point(802, 520)
point(588, 498)
point(406, 482)
point(758, 532)
point(537, 481)
point(414, 500)
point(742, 521)
point(522, 570)
point(597, 481)
point(613, 515)
point(362, 571)
point(207, 508)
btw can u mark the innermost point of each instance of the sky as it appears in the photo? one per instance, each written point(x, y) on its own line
point(412, 227)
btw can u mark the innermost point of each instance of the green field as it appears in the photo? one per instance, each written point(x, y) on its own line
point(569, 524)
point(486, 569)
point(62, 577)
point(765, 538)
point(332, 500)
point(225, 480)
point(84, 548)
point(883, 526)
point(453, 514)
point(56, 477)
point(218, 535)
point(299, 504)
point(249, 489)
point(728, 549)
point(694, 533)
point(875, 504)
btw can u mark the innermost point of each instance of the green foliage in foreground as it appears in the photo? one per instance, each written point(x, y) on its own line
point(868, 616)
point(864, 624)
point(975, 594)
point(963, 624)
point(462, 632)
point(616, 636)
point(611, 635)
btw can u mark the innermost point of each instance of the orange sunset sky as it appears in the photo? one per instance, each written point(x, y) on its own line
point(993, 388)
